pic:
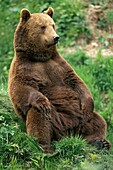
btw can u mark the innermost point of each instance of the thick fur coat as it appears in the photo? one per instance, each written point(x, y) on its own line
point(45, 92)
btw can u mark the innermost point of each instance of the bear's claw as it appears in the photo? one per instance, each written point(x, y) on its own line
point(100, 144)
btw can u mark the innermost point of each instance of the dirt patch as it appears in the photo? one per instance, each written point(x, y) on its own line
point(102, 39)
point(94, 15)
point(93, 49)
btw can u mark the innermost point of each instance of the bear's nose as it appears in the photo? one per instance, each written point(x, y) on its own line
point(56, 38)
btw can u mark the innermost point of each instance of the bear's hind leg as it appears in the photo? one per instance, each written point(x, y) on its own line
point(38, 125)
point(94, 132)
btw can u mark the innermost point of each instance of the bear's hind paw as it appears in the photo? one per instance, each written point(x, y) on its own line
point(47, 149)
point(100, 144)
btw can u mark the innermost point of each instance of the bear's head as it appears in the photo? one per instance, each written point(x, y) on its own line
point(35, 32)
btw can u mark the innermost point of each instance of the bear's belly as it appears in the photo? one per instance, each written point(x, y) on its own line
point(64, 99)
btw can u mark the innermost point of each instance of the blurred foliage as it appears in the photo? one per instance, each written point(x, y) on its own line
point(103, 73)
point(98, 2)
point(102, 24)
point(78, 58)
point(106, 20)
point(109, 16)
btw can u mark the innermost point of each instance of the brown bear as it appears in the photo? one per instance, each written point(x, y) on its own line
point(45, 92)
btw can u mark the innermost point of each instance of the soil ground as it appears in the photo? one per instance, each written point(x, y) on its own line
point(93, 15)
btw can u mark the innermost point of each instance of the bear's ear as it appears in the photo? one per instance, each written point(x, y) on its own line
point(25, 14)
point(49, 11)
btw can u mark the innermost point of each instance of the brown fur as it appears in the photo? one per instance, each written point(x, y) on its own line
point(45, 91)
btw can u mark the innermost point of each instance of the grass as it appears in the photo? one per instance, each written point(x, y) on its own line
point(19, 151)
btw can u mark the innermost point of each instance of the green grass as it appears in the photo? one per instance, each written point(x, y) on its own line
point(19, 151)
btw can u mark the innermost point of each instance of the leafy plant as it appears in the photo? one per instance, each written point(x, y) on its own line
point(102, 23)
point(71, 23)
point(103, 41)
point(109, 16)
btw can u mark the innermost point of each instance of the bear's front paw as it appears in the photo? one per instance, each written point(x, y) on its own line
point(43, 106)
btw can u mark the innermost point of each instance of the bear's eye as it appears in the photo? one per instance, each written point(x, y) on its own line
point(43, 27)
point(53, 26)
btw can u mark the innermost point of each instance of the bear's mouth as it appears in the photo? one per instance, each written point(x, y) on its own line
point(50, 45)
point(55, 42)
